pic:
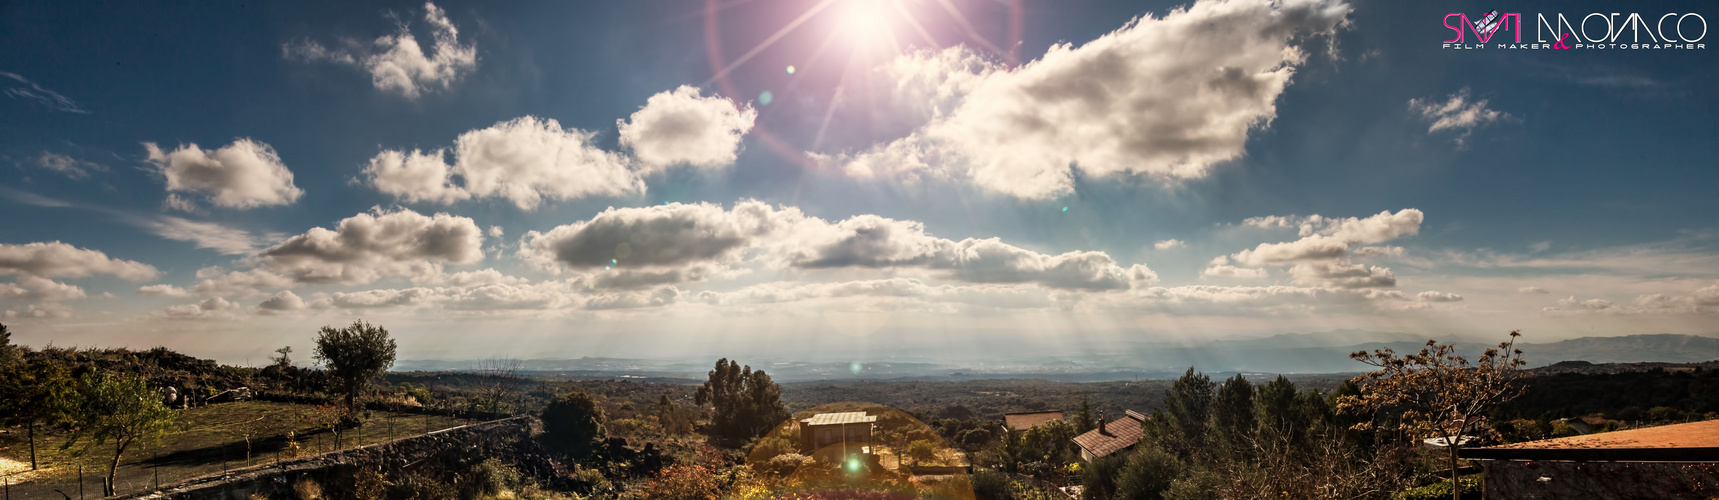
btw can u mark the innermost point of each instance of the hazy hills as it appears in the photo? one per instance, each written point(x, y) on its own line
point(1320, 352)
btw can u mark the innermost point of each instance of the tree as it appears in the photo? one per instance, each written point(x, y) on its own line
point(670, 418)
point(1182, 422)
point(1439, 393)
point(354, 355)
point(1083, 419)
point(1233, 417)
point(746, 402)
point(118, 408)
point(32, 394)
point(285, 357)
point(921, 450)
point(573, 424)
point(8, 353)
point(1147, 472)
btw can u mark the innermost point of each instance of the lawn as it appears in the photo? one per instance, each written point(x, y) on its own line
point(204, 440)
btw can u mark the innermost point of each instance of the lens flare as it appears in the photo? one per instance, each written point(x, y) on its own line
point(790, 69)
point(765, 98)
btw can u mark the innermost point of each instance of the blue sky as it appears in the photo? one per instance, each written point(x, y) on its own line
point(1034, 177)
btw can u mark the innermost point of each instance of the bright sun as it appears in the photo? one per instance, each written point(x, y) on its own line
point(866, 22)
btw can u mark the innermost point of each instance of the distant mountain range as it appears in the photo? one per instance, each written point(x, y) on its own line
point(1295, 353)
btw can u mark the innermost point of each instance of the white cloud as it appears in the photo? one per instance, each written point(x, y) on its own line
point(1321, 257)
point(681, 242)
point(1432, 296)
point(283, 300)
point(1532, 290)
point(33, 91)
point(524, 160)
point(244, 174)
point(414, 176)
point(368, 246)
point(1326, 238)
point(681, 127)
point(1169, 244)
point(227, 240)
point(1119, 105)
point(216, 282)
point(496, 231)
point(398, 63)
point(55, 259)
point(71, 167)
point(163, 290)
point(39, 288)
point(209, 309)
point(1702, 301)
point(1342, 275)
point(1229, 271)
point(47, 310)
point(1458, 112)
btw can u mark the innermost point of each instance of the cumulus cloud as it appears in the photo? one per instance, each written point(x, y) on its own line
point(397, 63)
point(1458, 112)
point(39, 288)
point(244, 174)
point(1169, 244)
point(1272, 300)
point(68, 166)
point(368, 246)
point(523, 160)
point(208, 309)
point(23, 88)
point(414, 176)
point(665, 244)
point(682, 127)
point(1321, 256)
point(657, 238)
point(1702, 301)
point(1532, 290)
point(1432, 296)
point(1119, 105)
point(55, 259)
point(1325, 238)
point(46, 310)
point(283, 300)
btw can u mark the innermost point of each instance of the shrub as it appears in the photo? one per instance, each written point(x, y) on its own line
point(1471, 490)
point(573, 424)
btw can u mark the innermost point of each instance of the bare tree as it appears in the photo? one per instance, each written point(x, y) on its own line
point(500, 379)
point(1440, 394)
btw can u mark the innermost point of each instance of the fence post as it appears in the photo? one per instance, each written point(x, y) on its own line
point(80, 481)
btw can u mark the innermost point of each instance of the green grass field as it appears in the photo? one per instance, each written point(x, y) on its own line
point(205, 440)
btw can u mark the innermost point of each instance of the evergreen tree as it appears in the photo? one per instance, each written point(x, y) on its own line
point(1233, 418)
point(1181, 424)
point(1084, 420)
point(573, 424)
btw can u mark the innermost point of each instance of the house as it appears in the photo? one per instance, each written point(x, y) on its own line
point(1111, 437)
point(1672, 461)
point(1021, 421)
point(849, 431)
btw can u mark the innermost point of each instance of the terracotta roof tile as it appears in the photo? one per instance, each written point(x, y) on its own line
point(1118, 434)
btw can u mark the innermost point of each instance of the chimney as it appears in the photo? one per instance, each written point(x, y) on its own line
point(1101, 424)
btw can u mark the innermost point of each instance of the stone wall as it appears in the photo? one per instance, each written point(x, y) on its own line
point(277, 480)
point(1601, 480)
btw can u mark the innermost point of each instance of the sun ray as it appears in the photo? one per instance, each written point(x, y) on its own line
point(961, 20)
point(930, 42)
point(768, 41)
point(835, 100)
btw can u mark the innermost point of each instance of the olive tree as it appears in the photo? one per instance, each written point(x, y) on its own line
point(354, 355)
point(1440, 394)
point(119, 408)
point(31, 394)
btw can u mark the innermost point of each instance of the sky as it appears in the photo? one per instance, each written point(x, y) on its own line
point(852, 179)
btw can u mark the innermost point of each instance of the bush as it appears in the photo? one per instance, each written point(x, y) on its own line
point(784, 464)
point(573, 424)
point(1147, 473)
point(1471, 490)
